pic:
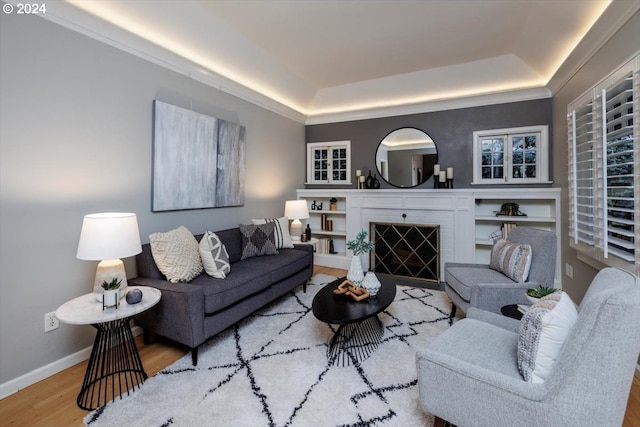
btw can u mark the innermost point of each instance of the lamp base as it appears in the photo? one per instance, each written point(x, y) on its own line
point(296, 230)
point(107, 270)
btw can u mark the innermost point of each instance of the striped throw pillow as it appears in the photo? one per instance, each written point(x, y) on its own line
point(511, 259)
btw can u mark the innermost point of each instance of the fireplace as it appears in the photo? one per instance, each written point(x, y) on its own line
point(406, 250)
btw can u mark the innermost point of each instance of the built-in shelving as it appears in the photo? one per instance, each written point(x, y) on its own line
point(335, 237)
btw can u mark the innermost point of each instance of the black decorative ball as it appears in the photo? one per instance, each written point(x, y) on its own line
point(134, 296)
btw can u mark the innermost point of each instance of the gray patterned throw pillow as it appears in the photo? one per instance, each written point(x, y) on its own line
point(257, 240)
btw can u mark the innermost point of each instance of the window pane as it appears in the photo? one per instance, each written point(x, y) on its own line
point(498, 172)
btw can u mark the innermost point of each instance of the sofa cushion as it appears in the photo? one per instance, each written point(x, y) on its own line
point(281, 231)
point(257, 240)
point(544, 328)
point(463, 279)
point(215, 258)
point(512, 259)
point(177, 255)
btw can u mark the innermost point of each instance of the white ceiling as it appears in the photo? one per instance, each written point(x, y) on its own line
point(324, 58)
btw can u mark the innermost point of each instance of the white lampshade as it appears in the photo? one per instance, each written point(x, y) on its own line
point(296, 210)
point(106, 237)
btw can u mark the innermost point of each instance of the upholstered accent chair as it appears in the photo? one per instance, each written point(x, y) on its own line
point(477, 285)
point(469, 376)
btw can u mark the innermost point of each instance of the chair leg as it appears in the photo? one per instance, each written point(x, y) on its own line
point(439, 422)
point(453, 313)
point(194, 356)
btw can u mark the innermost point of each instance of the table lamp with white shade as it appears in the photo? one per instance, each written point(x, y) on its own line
point(107, 237)
point(296, 210)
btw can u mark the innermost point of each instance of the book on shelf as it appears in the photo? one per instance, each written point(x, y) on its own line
point(507, 227)
point(325, 246)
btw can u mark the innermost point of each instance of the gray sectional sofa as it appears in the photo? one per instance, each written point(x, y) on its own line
point(190, 313)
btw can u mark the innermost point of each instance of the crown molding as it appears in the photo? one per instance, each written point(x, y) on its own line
point(75, 19)
point(431, 106)
point(613, 18)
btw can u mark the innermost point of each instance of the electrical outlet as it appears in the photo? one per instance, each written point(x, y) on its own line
point(51, 322)
point(568, 270)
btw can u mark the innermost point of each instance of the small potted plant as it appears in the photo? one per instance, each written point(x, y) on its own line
point(111, 293)
point(333, 204)
point(359, 246)
point(534, 294)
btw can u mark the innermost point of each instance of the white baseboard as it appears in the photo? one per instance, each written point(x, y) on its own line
point(15, 385)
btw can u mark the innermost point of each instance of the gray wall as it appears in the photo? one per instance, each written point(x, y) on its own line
point(76, 139)
point(616, 51)
point(451, 131)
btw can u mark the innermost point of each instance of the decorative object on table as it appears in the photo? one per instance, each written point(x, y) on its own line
point(307, 232)
point(110, 296)
point(347, 288)
point(534, 294)
point(510, 209)
point(371, 283)
point(361, 182)
point(358, 180)
point(191, 151)
point(436, 175)
point(296, 210)
point(107, 237)
point(359, 246)
point(442, 178)
point(333, 204)
point(314, 206)
point(134, 296)
point(449, 177)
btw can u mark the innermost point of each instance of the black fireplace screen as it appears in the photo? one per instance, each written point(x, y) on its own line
point(408, 250)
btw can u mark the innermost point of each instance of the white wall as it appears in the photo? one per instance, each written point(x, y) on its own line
point(76, 138)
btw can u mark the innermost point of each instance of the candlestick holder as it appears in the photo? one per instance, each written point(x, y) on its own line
point(449, 182)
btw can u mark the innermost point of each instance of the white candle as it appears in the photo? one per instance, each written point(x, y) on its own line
point(449, 173)
point(362, 178)
point(358, 172)
point(443, 176)
point(436, 169)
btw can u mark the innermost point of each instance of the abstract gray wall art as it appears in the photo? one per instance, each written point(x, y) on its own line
point(198, 160)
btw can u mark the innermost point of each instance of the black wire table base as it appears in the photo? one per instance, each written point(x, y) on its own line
point(114, 366)
point(357, 340)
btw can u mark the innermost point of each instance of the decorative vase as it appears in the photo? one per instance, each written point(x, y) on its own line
point(355, 274)
point(371, 283)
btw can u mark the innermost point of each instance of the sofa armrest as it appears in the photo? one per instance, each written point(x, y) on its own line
point(179, 315)
point(304, 246)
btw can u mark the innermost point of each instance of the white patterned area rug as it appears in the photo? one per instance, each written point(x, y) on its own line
point(271, 369)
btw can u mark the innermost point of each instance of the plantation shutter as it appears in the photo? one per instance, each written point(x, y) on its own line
point(604, 170)
point(621, 169)
point(582, 173)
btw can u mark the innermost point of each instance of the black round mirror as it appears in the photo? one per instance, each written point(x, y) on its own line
point(405, 157)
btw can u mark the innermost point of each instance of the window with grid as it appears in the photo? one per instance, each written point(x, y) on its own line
point(511, 156)
point(604, 176)
point(329, 162)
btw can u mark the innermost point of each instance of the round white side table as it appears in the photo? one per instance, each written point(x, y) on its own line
point(114, 366)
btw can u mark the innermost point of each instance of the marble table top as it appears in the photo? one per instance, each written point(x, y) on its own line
point(86, 310)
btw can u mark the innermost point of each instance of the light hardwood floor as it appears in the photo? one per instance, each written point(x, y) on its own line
point(52, 402)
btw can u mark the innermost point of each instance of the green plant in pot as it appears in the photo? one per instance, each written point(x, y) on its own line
point(510, 209)
point(332, 204)
point(534, 294)
point(111, 292)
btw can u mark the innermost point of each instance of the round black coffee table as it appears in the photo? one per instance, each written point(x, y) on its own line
point(359, 331)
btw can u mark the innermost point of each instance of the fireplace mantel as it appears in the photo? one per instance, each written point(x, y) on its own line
point(466, 216)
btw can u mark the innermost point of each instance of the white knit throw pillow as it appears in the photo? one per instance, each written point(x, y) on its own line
point(176, 254)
